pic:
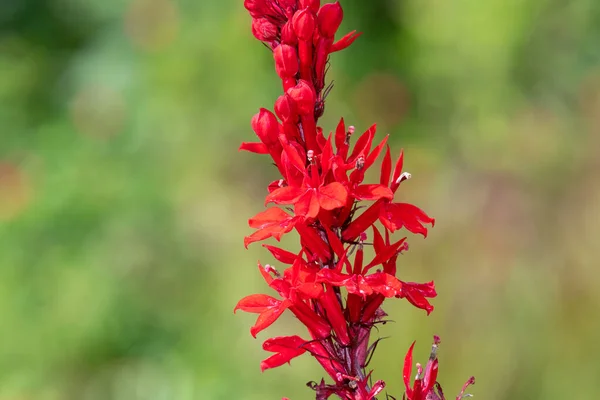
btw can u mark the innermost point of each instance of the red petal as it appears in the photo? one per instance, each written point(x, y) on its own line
point(337, 246)
point(286, 347)
point(373, 192)
point(384, 255)
point(386, 168)
point(273, 222)
point(362, 223)
point(326, 157)
point(346, 41)
point(384, 284)
point(332, 196)
point(417, 293)
point(375, 153)
point(311, 240)
point(256, 303)
point(281, 255)
point(268, 217)
point(406, 372)
point(307, 205)
point(397, 171)
point(363, 144)
point(378, 243)
point(430, 377)
point(340, 138)
point(294, 157)
point(266, 318)
point(333, 310)
point(285, 195)
point(397, 215)
point(259, 148)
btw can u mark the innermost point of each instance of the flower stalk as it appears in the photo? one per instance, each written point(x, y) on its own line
point(330, 285)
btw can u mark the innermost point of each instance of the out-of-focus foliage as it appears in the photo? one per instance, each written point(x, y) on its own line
point(123, 199)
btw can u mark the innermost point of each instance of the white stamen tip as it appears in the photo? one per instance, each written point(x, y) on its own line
point(403, 176)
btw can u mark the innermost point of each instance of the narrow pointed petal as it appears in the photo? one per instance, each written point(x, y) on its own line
point(397, 171)
point(363, 144)
point(281, 255)
point(258, 148)
point(406, 372)
point(375, 153)
point(345, 41)
point(384, 255)
point(362, 223)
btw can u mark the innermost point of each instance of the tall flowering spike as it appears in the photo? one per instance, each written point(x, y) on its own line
point(332, 286)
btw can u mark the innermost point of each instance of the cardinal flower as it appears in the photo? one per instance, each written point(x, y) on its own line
point(332, 283)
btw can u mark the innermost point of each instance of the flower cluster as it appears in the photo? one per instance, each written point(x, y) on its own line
point(331, 286)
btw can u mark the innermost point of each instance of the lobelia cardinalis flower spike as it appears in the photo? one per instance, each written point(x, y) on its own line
point(331, 285)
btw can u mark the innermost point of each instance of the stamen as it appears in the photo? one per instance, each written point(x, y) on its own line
point(360, 163)
point(309, 155)
point(403, 176)
point(271, 270)
point(419, 371)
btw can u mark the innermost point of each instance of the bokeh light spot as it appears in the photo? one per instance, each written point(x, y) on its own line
point(152, 24)
point(382, 98)
point(98, 111)
point(15, 191)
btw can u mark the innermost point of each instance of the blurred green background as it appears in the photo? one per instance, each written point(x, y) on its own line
point(124, 201)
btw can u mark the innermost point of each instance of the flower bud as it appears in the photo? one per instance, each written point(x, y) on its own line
point(329, 18)
point(287, 4)
point(266, 127)
point(312, 4)
point(257, 8)
point(304, 24)
point(285, 108)
point(303, 96)
point(286, 61)
point(288, 36)
point(264, 30)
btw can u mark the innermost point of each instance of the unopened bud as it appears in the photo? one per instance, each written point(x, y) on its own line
point(312, 4)
point(303, 96)
point(264, 30)
point(286, 61)
point(285, 108)
point(288, 36)
point(304, 24)
point(329, 19)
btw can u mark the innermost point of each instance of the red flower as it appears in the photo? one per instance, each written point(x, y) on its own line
point(322, 189)
point(425, 386)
